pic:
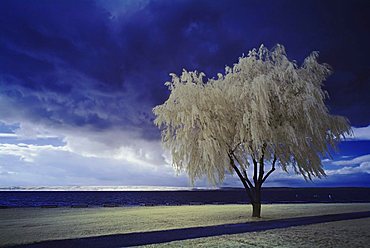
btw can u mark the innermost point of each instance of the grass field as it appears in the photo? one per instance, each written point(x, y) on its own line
point(347, 233)
point(26, 225)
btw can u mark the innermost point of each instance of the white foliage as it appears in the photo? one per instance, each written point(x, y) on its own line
point(264, 100)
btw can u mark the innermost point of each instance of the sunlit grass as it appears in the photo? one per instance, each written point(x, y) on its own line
point(25, 225)
point(347, 233)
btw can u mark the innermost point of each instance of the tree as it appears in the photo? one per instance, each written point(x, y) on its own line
point(263, 112)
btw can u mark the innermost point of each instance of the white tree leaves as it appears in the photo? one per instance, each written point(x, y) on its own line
point(263, 100)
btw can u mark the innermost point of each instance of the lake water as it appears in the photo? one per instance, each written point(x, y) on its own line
point(113, 196)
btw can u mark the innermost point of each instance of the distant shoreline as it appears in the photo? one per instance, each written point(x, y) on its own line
point(149, 188)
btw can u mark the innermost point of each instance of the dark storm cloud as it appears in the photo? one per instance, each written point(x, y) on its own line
point(38, 36)
point(61, 65)
point(73, 63)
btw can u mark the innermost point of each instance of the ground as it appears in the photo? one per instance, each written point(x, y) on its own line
point(26, 225)
point(347, 233)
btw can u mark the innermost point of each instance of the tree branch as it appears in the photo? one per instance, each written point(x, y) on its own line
point(247, 179)
point(244, 172)
point(255, 170)
point(236, 147)
point(262, 172)
point(248, 189)
point(270, 171)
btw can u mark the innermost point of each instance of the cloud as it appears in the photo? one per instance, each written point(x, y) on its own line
point(86, 162)
point(8, 135)
point(26, 152)
point(359, 133)
point(125, 9)
point(116, 144)
point(116, 157)
point(79, 79)
point(362, 168)
point(62, 76)
point(86, 157)
point(354, 161)
point(357, 165)
point(87, 69)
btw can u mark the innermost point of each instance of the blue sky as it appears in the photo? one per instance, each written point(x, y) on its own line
point(78, 81)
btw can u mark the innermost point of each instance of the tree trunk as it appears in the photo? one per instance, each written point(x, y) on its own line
point(256, 209)
point(256, 203)
point(254, 192)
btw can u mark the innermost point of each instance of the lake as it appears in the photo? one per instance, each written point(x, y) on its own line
point(17, 197)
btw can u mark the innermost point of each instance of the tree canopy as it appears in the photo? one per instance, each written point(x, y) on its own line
point(264, 107)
